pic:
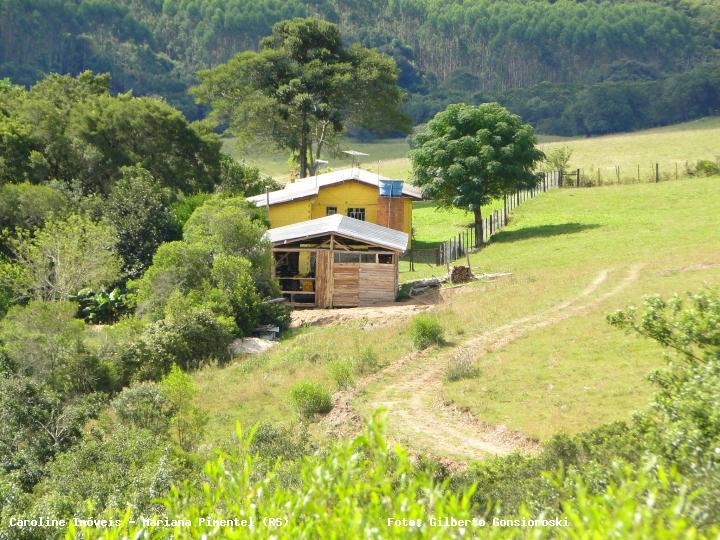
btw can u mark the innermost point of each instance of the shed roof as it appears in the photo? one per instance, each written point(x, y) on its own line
point(345, 226)
point(310, 186)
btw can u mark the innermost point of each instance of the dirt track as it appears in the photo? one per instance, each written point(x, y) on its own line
point(412, 394)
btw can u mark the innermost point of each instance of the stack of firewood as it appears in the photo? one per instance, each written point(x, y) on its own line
point(460, 274)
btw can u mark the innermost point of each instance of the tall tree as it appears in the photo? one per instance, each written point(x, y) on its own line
point(302, 88)
point(470, 155)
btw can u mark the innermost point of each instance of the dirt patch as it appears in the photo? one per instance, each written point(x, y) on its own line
point(377, 315)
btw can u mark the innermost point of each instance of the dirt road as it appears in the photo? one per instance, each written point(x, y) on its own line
point(411, 389)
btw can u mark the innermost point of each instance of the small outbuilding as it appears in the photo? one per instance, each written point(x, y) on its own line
point(352, 262)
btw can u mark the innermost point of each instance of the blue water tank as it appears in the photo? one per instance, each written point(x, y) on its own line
point(390, 188)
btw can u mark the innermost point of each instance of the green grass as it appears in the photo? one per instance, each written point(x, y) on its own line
point(566, 377)
point(581, 372)
point(668, 146)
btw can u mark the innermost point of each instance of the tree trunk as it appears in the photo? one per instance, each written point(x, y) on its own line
point(478, 227)
point(303, 148)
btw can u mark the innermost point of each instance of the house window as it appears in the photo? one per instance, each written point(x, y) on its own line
point(357, 213)
point(330, 210)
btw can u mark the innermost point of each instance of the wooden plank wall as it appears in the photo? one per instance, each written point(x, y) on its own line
point(377, 283)
point(323, 279)
point(346, 281)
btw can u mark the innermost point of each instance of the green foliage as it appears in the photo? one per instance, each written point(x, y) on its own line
point(177, 266)
point(101, 307)
point(462, 366)
point(114, 469)
point(62, 258)
point(138, 209)
point(239, 179)
point(340, 371)
point(302, 88)
point(310, 399)
point(144, 406)
point(27, 206)
point(276, 314)
point(232, 227)
point(77, 132)
point(426, 330)
point(188, 339)
point(187, 421)
point(369, 476)
point(45, 341)
point(470, 155)
point(38, 423)
point(705, 167)
point(558, 159)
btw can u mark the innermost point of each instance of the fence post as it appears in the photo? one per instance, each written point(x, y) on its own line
point(560, 178)
point(657, 172)
point(676, 170)
point(577, 180)
point(505, 211)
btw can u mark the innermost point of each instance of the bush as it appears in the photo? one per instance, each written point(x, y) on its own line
point(144, 406)
point(403, 292)
point(425, 330)
point(367, 362)
point(461, 366)
point(341, 372)
point(706, 167)
point(187, 341)
point(310, 398)
point(277, 314)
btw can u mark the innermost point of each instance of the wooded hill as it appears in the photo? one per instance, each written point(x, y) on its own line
point(569, 67)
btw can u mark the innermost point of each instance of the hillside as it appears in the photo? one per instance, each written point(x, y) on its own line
point(548, 347)
point(569, 67)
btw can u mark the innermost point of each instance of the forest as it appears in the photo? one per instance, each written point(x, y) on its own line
point(568, 67)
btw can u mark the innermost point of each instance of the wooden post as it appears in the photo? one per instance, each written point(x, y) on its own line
point(657, 172)
point(638, 172)
point(676, 170)
point(577, 180)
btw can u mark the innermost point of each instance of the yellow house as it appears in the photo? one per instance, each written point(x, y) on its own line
point(353, 192)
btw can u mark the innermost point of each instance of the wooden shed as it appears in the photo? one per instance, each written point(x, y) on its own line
point(352, 262)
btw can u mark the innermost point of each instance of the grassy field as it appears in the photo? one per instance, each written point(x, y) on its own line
point(562, 377)
point(668, 146)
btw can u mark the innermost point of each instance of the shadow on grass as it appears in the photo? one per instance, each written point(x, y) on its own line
point(542, 231)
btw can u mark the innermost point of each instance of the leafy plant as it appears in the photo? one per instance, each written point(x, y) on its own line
point(706, 167)
point(101, 307)
point(426, 330)
point(310, 398)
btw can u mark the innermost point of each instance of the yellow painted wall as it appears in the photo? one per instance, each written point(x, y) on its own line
point(343, 196)
point(347, 195)
point(290, 212)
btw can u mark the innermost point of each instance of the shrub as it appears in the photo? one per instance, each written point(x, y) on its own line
point(366, 362)
point(461, 366)
point(340, 371)
point(310, 398)
point(187, 341)
point(706, 167)
point(277, 314)
point(403, 292)
point(144, 406)
point(425, 330)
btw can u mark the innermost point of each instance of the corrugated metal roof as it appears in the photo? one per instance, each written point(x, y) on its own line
point(310, 186)
point(342, 226)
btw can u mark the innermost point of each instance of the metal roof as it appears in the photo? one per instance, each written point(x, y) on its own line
point(344, 226)
point(310, 186)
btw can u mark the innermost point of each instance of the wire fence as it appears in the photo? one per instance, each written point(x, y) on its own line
point(471, 239)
